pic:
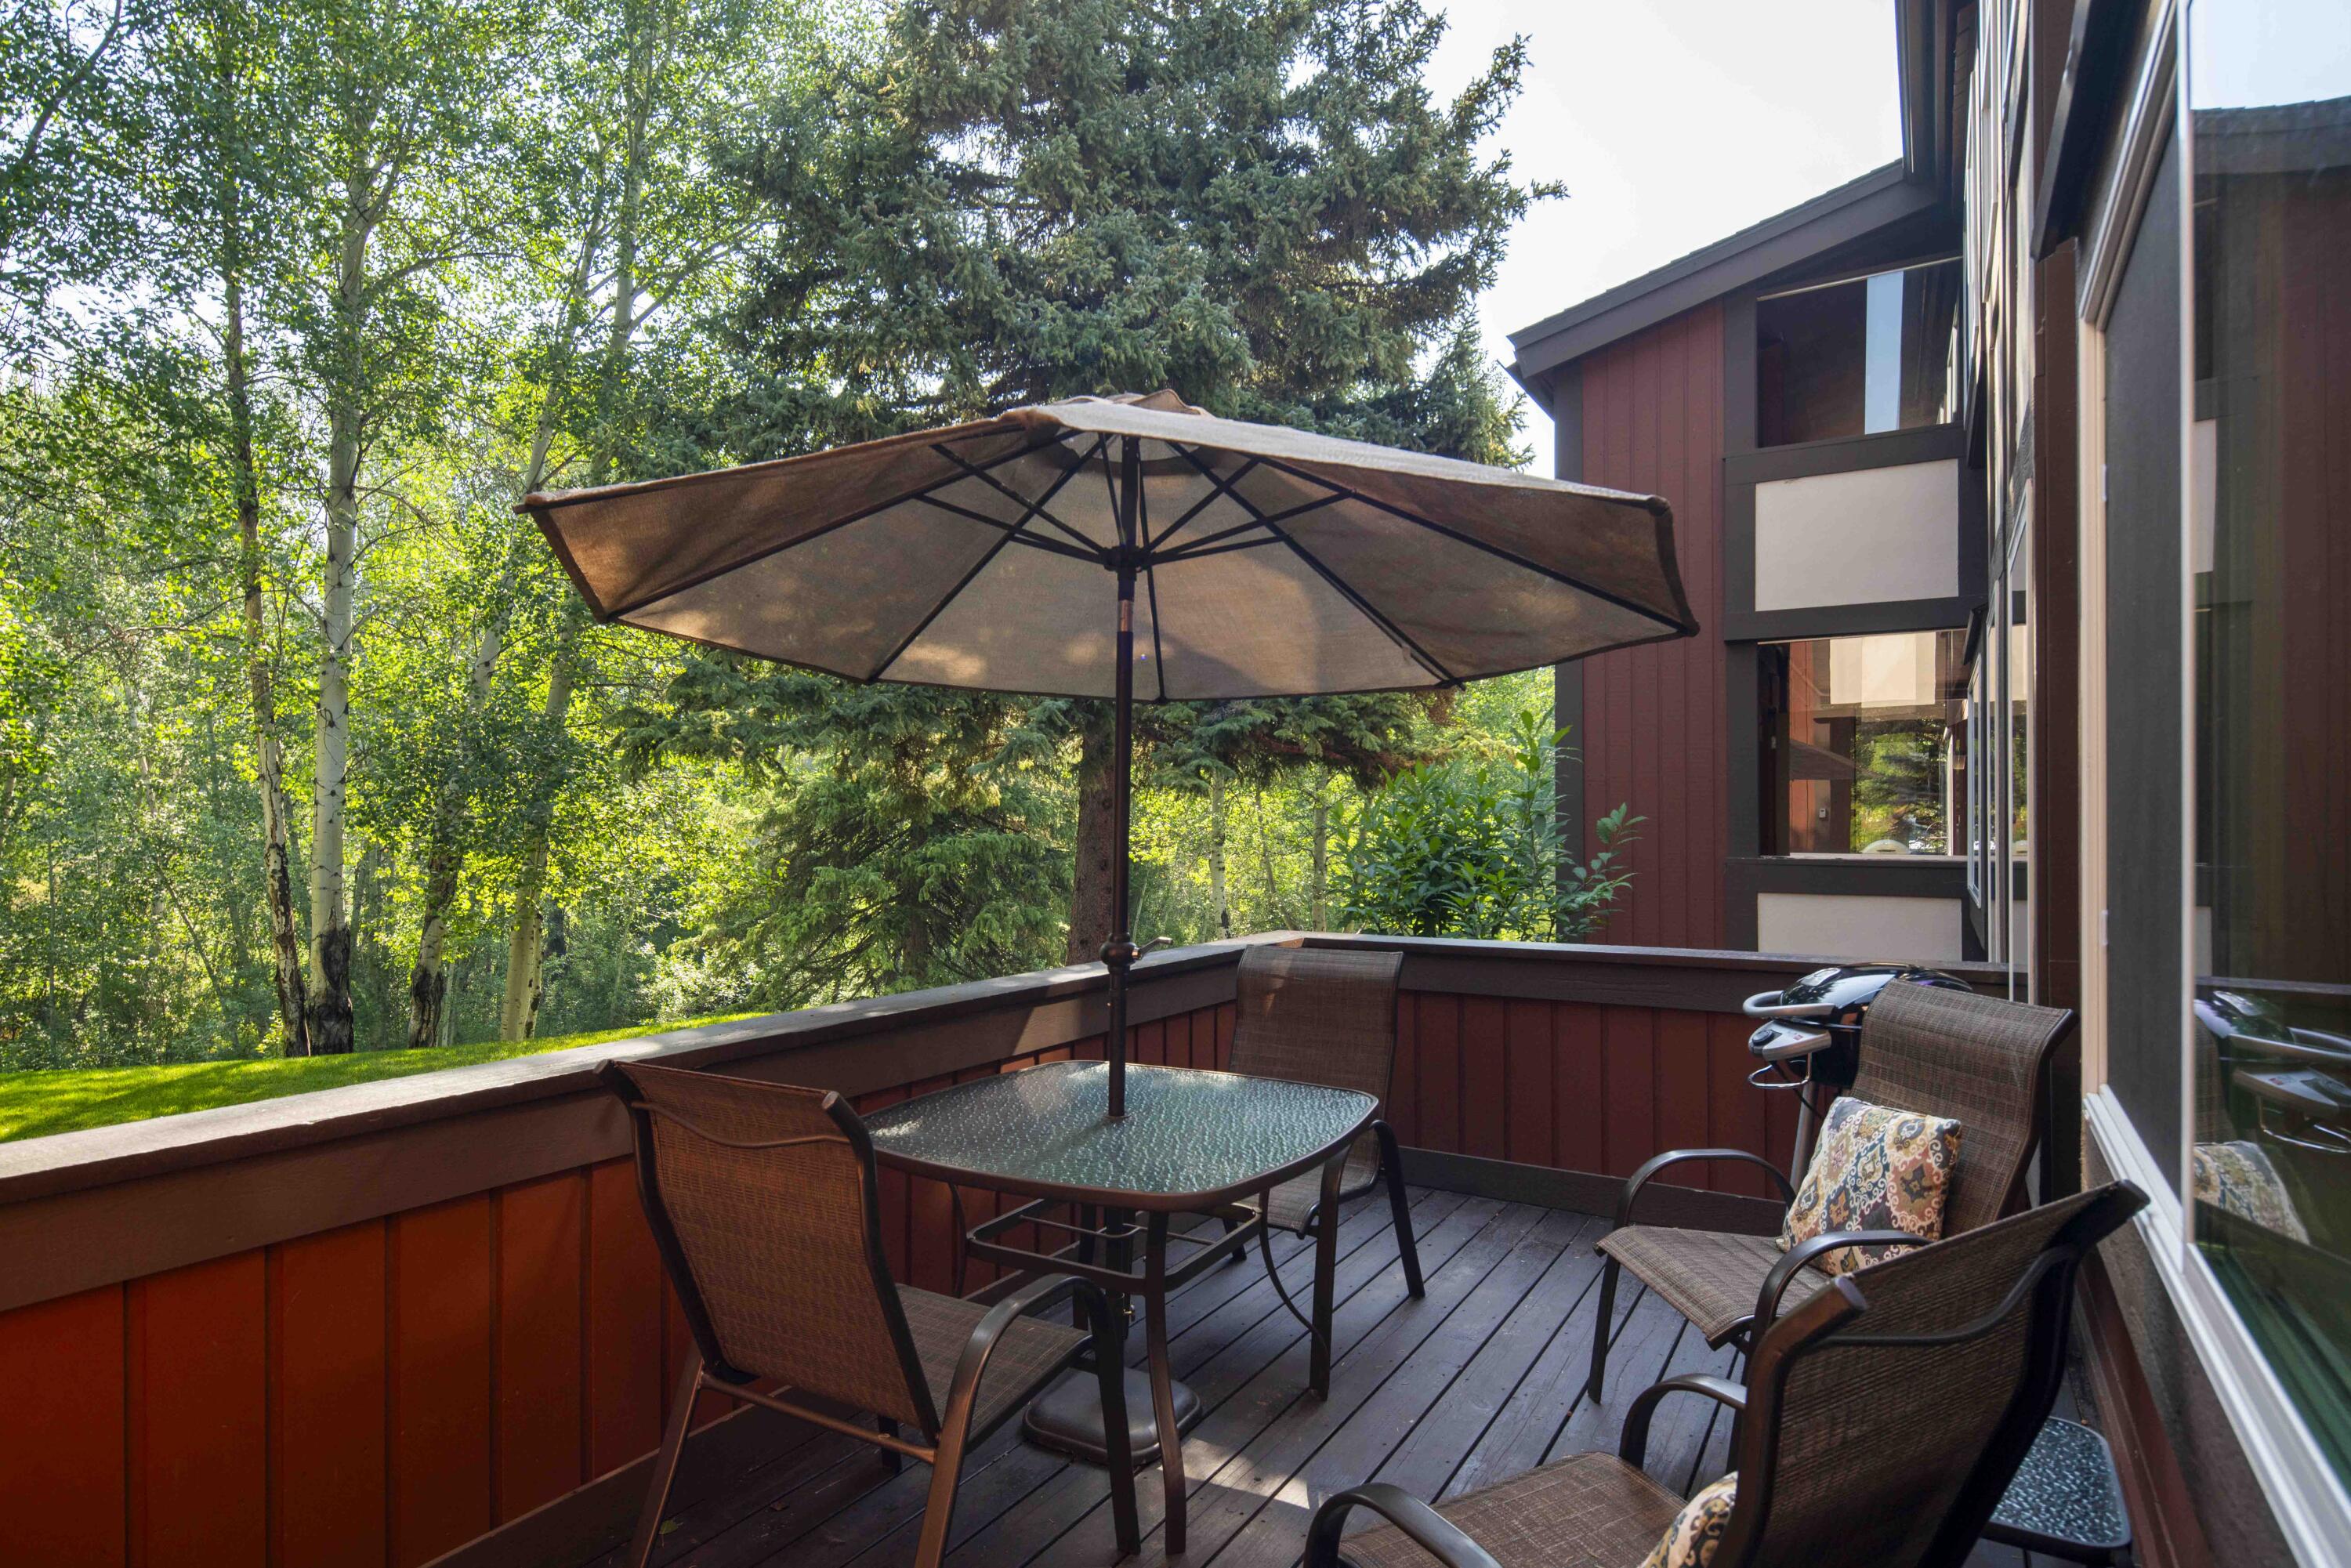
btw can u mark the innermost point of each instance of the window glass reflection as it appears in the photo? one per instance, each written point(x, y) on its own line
point(2270, 510)
point(1857, 357)
point(1860, 743)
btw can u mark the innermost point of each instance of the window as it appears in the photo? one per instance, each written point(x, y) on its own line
point(2015, 889)
point(2269, 559)
point(2144, 808)
point(1856, 356)
point(1862, 743)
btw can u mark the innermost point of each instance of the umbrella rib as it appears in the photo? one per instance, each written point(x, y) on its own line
point(1158, 653)
point(1395, 634)
point(1216, 489)
point(1035, 508)
point(698, 578)
point(1010, 534)
point(1340, 492)
point(1200, 546)
point(1202, 552)
point(1091, 558)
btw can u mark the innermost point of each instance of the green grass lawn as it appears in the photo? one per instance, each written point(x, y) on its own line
point(35, 1104)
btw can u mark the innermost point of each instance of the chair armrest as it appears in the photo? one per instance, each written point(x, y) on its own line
point(1428, 1529)
point(1775, 1283)
point(1633, 1447)
point(963, 1394)
point(1640, 1178)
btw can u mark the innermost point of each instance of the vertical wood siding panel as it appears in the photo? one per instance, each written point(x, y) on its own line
point(930, 1255)
point(1681, 1090)
point(1437, 1029)
point(1527, 1030)
point(61, 1446)
point(442, 1301)
point(1628, 1040)
point(624, 1322)
point(198, 1352)
point(1404, 1104)
point(1654, 716)
point(539, 1341)
point(1485, 1078)
point(677, 1344)
point(897, 1201)
point(328, 1385)
point(1737, 1113)
point(1580, 1087)
point(1228, 1015)
point(1683, 790)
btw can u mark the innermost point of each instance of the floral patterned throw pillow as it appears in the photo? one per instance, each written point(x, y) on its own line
point(1697, 1530)
point(1875, 1168)
point(2238, 1177)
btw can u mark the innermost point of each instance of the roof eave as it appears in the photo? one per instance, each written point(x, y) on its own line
point(1884, 196)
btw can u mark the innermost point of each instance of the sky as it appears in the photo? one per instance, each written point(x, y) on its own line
point(1672, 123)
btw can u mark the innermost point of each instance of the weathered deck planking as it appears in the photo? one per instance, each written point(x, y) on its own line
point(1477, 1382)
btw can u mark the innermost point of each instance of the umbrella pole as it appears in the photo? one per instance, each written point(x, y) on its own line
point(1120, 952)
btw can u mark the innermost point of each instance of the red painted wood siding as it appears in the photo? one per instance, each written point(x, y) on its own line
point(1580, 1087)
point(383, 1392)
point(378, 1393)
point(1652, 716)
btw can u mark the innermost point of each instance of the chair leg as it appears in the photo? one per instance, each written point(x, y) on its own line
point(1110, 1373)
point(938, 1509)
point(681, 1419)
point(892, 1459)
point(1600, 1329)
point(1326, 1270)
point(1400, 1208)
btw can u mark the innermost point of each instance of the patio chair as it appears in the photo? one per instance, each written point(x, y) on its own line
point(762, 1202)
point(1979, 1059)
point(1325, 1016)
point(1879, 1424)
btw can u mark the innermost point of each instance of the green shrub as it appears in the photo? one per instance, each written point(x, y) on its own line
point(1473, 847)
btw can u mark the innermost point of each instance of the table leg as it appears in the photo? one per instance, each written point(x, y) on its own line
point(1162, 1390)
point(1326, 1270)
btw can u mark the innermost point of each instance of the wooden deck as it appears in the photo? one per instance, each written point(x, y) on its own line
point(1480, 1380)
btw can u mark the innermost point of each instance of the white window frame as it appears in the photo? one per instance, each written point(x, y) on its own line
point(2308, 1500)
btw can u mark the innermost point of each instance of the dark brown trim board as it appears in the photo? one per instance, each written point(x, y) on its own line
point(1690, 979)
point(1743, 471)
point(1851, 211)
point(1855, 877)
point(2056, 714)
point(2167, 1531)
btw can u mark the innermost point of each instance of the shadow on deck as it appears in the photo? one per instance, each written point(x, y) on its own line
point(1480, 1380)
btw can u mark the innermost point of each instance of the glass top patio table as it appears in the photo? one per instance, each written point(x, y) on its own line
point(1190, 1138)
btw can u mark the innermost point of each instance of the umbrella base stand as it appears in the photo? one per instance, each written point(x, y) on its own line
point(1068, 1418)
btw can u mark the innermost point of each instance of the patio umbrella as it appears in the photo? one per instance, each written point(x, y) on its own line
point(1132, 548)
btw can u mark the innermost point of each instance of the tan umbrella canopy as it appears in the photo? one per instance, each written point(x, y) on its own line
point(1130, 547)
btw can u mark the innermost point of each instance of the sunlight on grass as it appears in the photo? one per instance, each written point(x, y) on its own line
point(35, 1105)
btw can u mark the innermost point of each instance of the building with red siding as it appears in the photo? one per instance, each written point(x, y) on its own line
point(1801, 764)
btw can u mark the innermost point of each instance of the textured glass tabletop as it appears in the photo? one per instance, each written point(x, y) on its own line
point(1189, 1137)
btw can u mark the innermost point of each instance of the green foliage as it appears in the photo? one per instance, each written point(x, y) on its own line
point(35, 1105)
point(1473, 847)
point(613, 242)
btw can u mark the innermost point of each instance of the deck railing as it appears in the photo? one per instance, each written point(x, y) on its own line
point(423, 1317)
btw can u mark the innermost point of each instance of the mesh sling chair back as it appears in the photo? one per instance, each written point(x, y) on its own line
point(762, 1201)
point(1327, 1015)
point(1979, 1060)
point(1880, 1423)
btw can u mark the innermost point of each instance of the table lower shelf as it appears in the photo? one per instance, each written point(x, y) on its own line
point(1067, 1418)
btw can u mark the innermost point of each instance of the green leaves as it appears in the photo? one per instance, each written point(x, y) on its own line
point(1473, 847)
